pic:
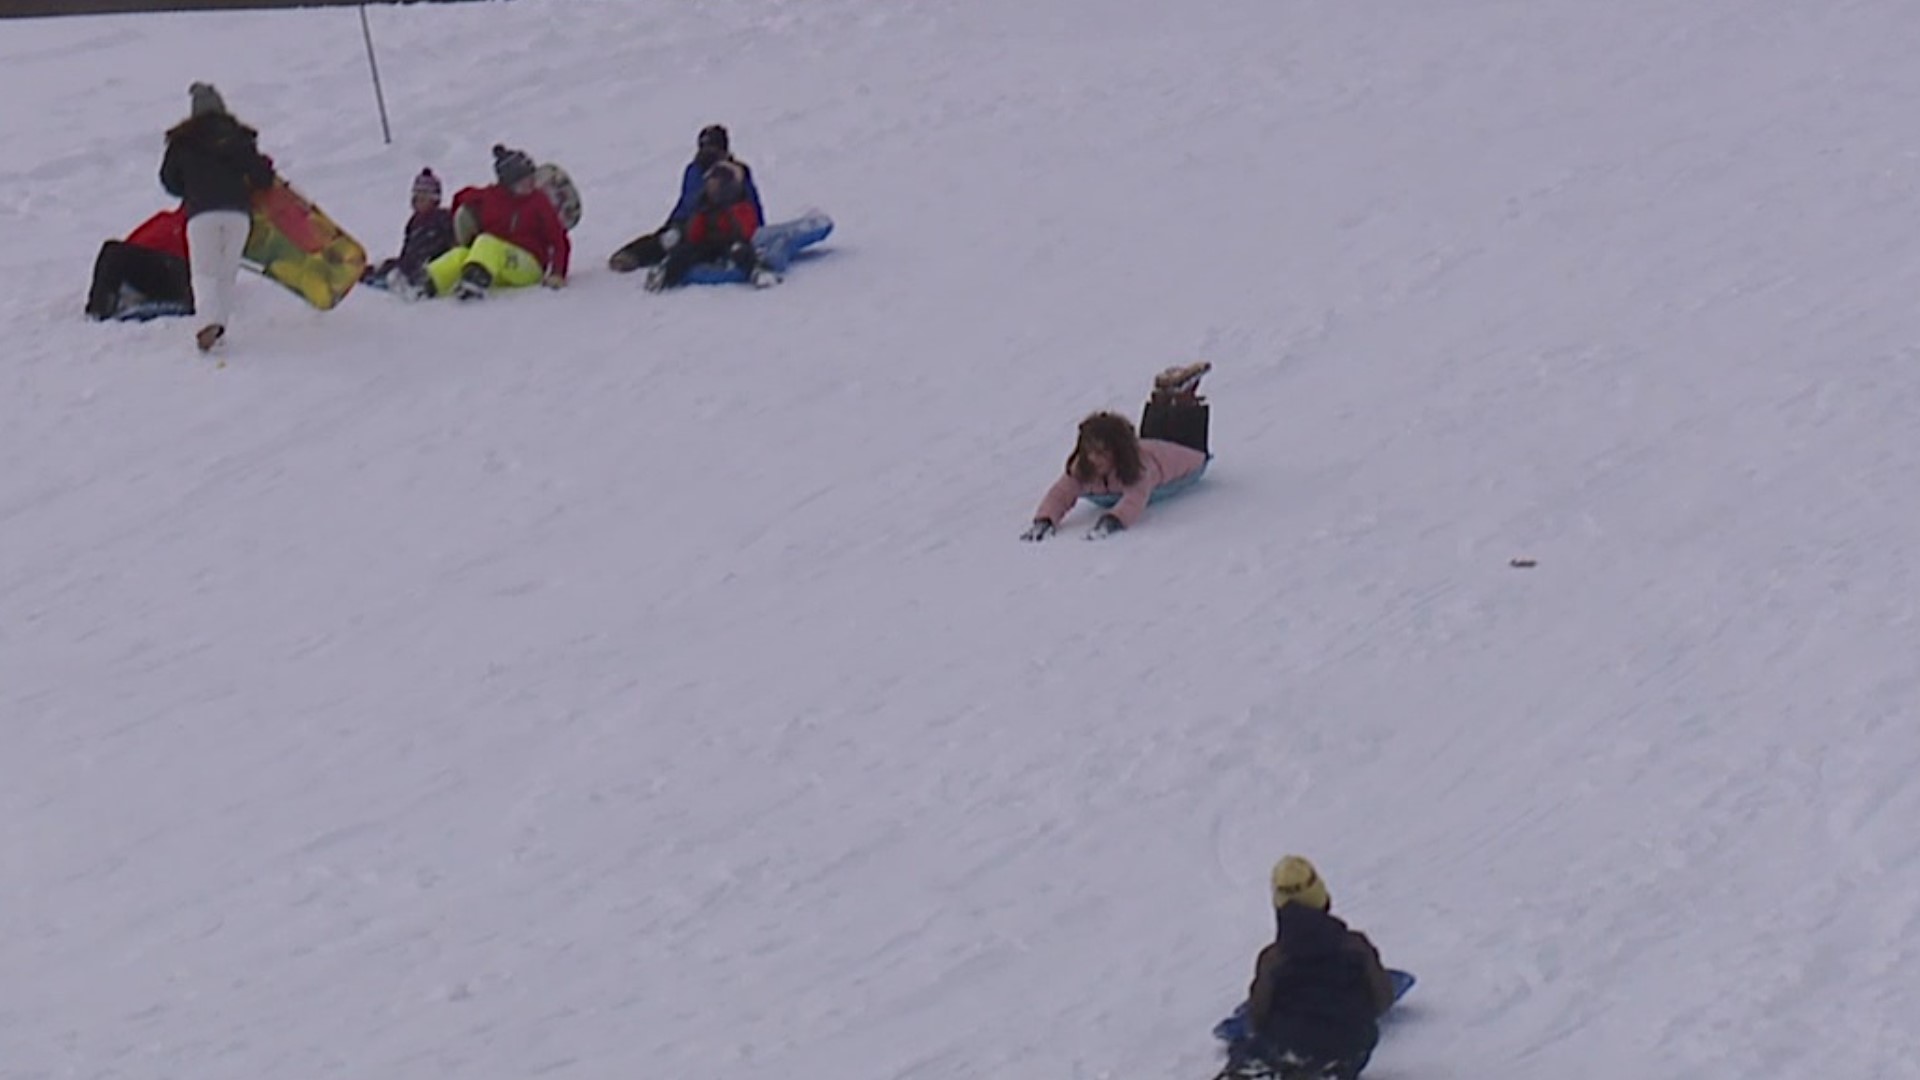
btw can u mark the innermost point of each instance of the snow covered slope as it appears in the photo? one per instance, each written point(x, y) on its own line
point(599, 684)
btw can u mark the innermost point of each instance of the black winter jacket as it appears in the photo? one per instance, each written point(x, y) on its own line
point(1314, 991)
point(213, 163)
point(429, 235)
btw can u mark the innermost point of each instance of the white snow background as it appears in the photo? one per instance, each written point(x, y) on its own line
point(607, 685)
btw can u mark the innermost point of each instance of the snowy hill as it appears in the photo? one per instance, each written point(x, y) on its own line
point(601, 684)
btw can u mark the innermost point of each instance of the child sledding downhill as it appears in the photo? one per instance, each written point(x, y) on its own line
point(429, 235)
point(519, 239)
point(1318, 990)
point(712, 147)
point(1122, 471)
point(720, 230)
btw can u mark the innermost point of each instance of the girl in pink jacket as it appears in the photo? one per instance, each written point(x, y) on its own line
point(1121, 471)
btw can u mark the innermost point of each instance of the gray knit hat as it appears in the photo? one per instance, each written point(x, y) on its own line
point(205, 99)
point(511, 165)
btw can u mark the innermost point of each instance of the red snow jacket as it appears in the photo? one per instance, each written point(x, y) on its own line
point(164, 232)
point(723, 224)
point(526, 221)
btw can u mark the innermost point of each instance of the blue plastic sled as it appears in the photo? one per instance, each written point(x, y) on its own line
point(1234, 1027)
point(143, 310)
point(777, 245)
point(1165, 491)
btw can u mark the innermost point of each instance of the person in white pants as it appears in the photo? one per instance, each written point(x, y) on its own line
point(214, 165)
point(215, 239)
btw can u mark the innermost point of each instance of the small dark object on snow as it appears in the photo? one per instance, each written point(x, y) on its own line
point(1522, 563)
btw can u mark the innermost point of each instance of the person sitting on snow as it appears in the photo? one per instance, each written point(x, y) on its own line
point(518, 238)
point(1318, 990)
point(1112, 465)
point(720, 230)
point(429, 235)
point(714, 146)
point(151, 263)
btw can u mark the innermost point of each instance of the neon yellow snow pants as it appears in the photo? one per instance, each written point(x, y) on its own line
point(512, 267)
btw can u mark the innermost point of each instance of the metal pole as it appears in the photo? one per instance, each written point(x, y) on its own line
point(379, 98)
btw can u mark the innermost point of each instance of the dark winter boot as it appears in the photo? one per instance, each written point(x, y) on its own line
point(747, 261)
point(643, 251)
point(669, 272)
point(474, 282)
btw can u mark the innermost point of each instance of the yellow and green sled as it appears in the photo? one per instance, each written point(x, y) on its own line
point(294, 243)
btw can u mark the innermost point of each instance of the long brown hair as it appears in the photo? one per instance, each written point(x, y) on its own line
point(1114, 434)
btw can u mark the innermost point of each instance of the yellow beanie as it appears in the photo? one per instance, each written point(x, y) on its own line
point(1295, 881)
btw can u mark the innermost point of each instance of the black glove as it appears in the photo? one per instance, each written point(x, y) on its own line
point(1105, 527)
point(1039, 530)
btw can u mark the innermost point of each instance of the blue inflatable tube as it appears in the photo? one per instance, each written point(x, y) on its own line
point(777, 245)
point(1165, 491)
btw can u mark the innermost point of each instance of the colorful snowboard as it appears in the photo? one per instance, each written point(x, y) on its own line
point(295, 244)
point(777, 245)
point(1234, 1027)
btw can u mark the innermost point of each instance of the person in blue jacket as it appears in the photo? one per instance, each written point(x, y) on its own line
point(714, 146)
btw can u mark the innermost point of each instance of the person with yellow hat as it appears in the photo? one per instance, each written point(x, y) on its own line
point(1318, 990)
point(1297, 881)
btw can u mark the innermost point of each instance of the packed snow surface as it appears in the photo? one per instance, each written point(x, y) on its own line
point(611, 685)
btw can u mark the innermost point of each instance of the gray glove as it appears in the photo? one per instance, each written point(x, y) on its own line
point(1105, 527)
point(1039, 530)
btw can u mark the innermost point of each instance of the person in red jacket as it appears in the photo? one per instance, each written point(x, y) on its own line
point(720, 230)
point(517, 236)
point(151, 263)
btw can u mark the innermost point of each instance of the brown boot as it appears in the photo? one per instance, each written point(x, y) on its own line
point(1181, 382)
point(209, 336)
